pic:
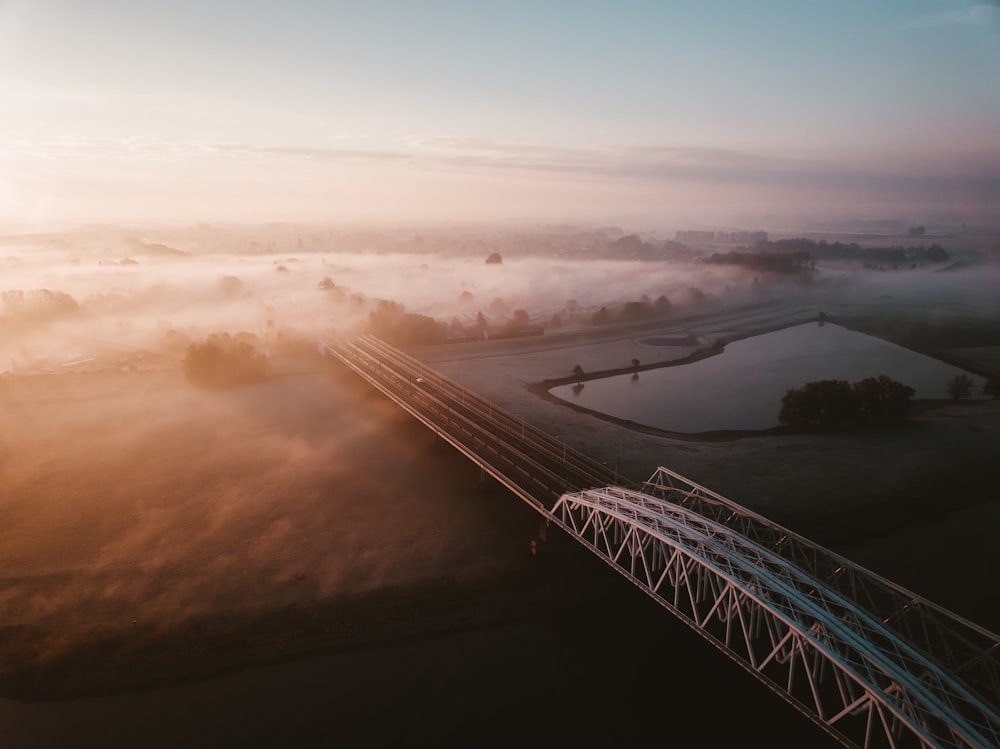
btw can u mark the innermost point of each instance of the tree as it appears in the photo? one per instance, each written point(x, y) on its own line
point(391, 322)
point(882, 398)
point(820, 404)
point(836, 403)
point(222, 360)
point(601, 317)
point(960, 386)
point(494, 259)
point(992, 387)
point(633, 310)
point(230, 285)
point(578, 370)
point(635, 364)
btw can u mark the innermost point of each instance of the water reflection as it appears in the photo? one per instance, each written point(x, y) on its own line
point(742, 387)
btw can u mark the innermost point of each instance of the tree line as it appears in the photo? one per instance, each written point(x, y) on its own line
point(838, 404)
point(835, 404)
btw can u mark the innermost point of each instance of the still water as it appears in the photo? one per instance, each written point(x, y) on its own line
point(742, 387)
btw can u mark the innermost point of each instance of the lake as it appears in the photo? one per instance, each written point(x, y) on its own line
point(742, 387)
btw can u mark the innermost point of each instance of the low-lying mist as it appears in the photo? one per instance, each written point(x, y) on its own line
point(56, 305)
point(131, 496)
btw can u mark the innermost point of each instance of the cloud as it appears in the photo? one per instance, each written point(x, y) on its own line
point(74, 147)
point(656, 163)
point(314, 153)
point(974, 15)
point(467, 155)
point(462, 165)
point(663, 162)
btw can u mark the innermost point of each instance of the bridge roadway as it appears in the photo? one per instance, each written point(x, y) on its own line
point(536, 466)
point(867, 661)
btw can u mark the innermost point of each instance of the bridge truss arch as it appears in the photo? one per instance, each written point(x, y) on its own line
point(870, 662)
point(866, 660)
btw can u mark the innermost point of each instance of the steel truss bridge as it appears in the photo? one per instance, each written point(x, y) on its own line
point(869, 662)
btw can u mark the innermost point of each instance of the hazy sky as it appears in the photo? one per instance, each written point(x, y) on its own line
point(653, 111)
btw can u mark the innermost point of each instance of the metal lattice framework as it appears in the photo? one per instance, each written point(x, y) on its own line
point(865, 659)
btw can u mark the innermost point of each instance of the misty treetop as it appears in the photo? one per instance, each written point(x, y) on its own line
point(391, 322)
point(800, 255)
point(35, 304)
point(823, 250)
point(221, 360)
point(773, 262)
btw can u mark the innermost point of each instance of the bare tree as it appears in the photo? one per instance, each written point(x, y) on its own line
point(960, 386)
